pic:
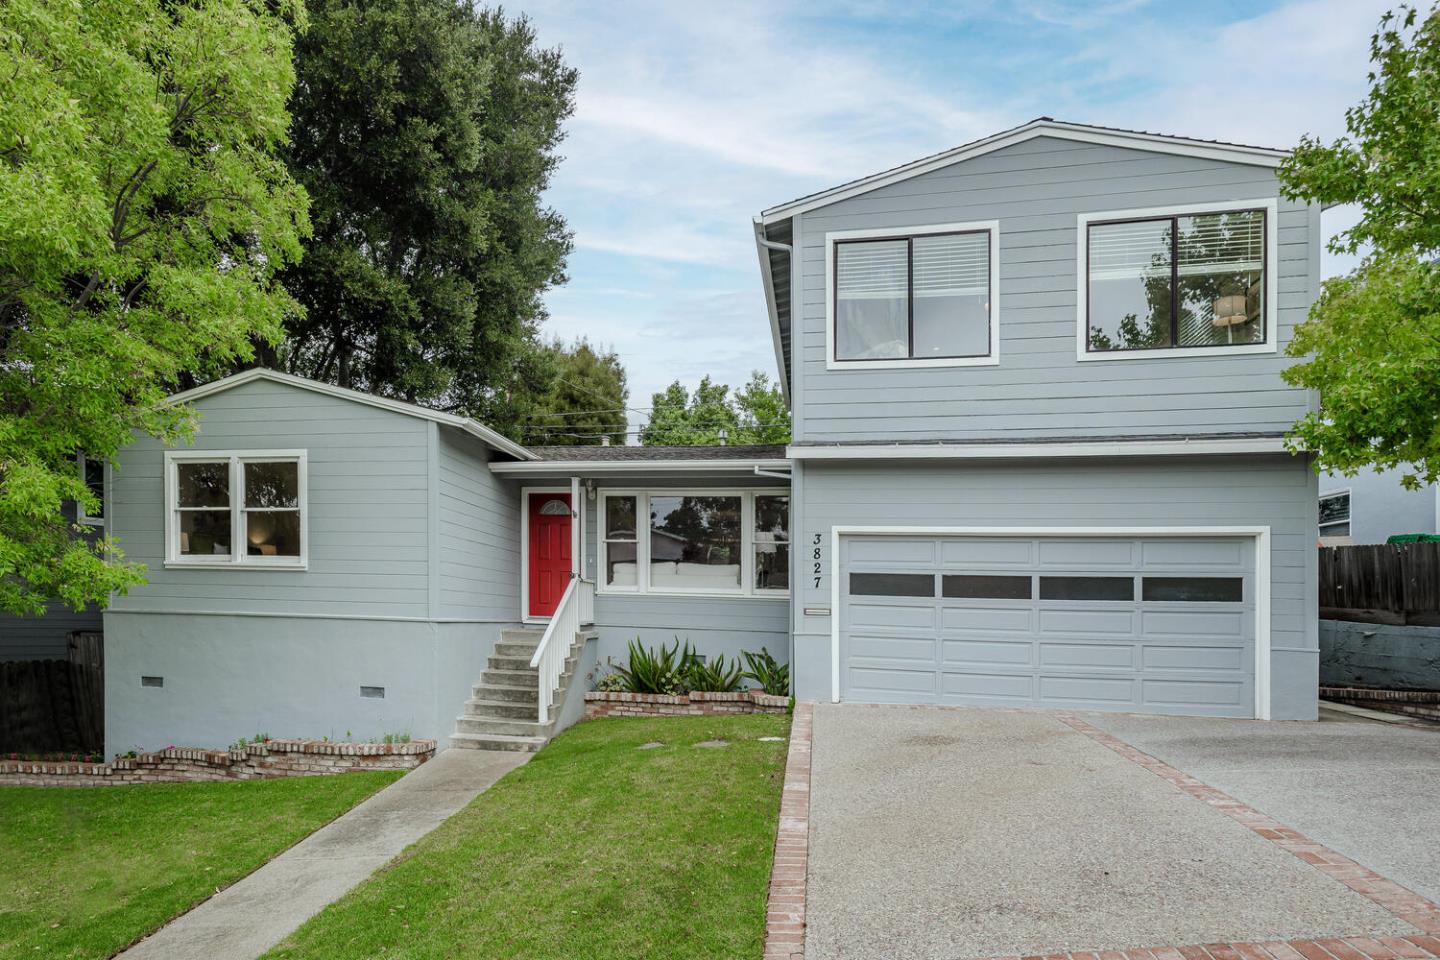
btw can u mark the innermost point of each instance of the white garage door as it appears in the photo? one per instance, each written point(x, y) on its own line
point(1152, 625)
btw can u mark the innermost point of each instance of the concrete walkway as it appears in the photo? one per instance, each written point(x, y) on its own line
point(951, 833)
point(244, 920)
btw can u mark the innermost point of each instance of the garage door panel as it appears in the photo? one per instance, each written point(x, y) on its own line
point(1196, 623)
point(964, 620)
point(1052, 622)
point(1108, 655)
point(891, 616)
point(989, 554)
point(879, 550)
point(1190, 554)
point(865, 646)
point(1193, 657)
point(884, 680)
point(1074, 621)
point(1086, 554)
point(1188, 693)
point(1007, 688)
point(1112, 692)
point(987, 652)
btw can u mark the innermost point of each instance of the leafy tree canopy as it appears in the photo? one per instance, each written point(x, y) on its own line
point(425, 132)
point(584, 401)
point(144, 211)
point(757, 413)
point(1373, 337)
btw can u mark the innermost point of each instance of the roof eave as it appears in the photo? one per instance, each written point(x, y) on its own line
point(611, 468)
point(1156, 143)
point(772, 308)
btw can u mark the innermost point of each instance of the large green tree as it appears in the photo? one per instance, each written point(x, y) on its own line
point(1372, 340)
point(583, 402)
point(425, 132)
point(144, 211)
point(757, 413)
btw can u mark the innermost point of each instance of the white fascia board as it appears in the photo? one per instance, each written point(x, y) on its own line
point(603, 468)
point(1040, 450)
point(472, 427)
point(1154, 143)
point(772, 308)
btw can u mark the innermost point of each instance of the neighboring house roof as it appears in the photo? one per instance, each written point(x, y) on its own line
point(596, 460)
point(596, 452)
point(472, 427)
point(772, 225)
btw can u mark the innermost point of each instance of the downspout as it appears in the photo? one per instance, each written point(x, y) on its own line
point(762, 472)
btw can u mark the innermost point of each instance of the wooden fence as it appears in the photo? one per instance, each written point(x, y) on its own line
point(55, 706)
point(1383, 583)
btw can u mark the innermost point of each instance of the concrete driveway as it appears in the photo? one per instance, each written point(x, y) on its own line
point(955, 833)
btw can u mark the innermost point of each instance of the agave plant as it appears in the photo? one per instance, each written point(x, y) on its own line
point(650, 672)
point(714, 676)
point(772, 675)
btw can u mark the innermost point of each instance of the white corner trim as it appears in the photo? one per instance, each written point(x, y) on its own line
point(1041, 449)
point(1079, 133)
point(1259, 532)
point(238, 560)
point(472, 427)
point(990, 227)
point(1272, 285)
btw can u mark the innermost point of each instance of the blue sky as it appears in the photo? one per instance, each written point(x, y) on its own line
point(691, 118)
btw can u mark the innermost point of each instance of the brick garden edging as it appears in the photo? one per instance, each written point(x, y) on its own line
point(601, 704)
point(785, 909)
point(1389, 895)
point(257, 761)
point(1421, 704)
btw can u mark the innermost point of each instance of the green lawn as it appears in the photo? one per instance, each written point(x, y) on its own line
point(85, 871)
point(595, 849)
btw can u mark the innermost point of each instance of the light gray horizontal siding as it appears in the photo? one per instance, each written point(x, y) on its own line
point(368, 508)
point(45, 637)
point(1276, 491)
point(479, 533)
point(1039, 389)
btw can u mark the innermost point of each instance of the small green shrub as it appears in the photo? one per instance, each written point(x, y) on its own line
point(649, 671)
point(611, 682)
point(773, 676)
point(716, 676)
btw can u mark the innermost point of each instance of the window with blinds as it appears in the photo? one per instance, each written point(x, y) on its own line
point(1182, 281)
point(913, 298)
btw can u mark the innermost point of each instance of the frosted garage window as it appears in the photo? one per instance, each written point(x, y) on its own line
point(1087, 588)
point(1194, 589)
point(892, 584)
point(966, 586)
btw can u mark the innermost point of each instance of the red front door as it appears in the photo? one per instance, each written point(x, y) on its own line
point(549, 551)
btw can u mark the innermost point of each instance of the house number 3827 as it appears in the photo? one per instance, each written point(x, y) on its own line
point(815, 559)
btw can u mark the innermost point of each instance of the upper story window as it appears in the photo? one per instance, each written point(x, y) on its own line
point(235, 509)
point(926, 298)
point(1185, 282)
point(734, 542)
point(92, 472)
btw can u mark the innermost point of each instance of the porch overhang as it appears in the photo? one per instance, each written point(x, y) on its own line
point(587, 469)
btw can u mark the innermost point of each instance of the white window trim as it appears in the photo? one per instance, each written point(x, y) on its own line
point(1349, 508)
point(1272, 286)
point(642, 547)
point(991, 359)
point(80, 515)
point(238, 559)
point(1260, 534)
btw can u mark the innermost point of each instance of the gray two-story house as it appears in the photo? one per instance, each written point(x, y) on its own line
point(1038, 453)
point(1038, 461)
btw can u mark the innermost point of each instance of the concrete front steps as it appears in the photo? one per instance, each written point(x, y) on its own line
point(504, 707)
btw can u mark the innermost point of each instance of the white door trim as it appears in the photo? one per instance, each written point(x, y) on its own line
point(525, 547)
point(1260, 533)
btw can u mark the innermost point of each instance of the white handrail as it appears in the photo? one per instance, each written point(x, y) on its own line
point(576, 607)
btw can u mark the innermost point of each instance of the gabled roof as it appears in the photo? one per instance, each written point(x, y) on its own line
point(1039, 127)
point(472, 427)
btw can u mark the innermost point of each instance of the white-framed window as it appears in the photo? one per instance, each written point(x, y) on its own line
point(92, 474)
point(916, 297)
point(1335, 514)
point(695, 542)
point(1185, 281)
point(236, 508)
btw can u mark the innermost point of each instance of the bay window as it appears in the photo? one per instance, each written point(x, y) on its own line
point(235, 509)
point(723, 542)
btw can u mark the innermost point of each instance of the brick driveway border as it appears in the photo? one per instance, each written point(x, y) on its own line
point(785, 910)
